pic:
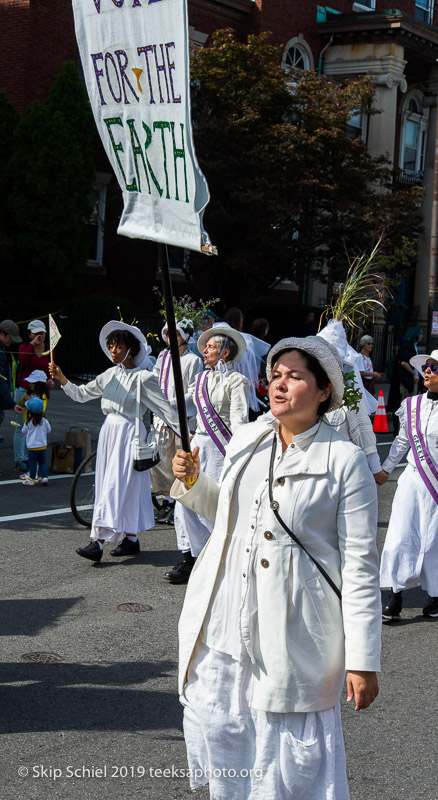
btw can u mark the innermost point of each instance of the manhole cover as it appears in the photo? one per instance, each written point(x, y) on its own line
point(135, 608)
point(42, 658)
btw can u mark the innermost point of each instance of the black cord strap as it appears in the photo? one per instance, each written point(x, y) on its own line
point(274, 508)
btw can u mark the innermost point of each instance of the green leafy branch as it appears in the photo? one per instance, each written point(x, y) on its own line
point(186, 308)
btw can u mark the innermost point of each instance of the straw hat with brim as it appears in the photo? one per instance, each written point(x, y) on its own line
point(326, 355)
point(37, 376)
point(223, 330)
point(417, 361)
point(113, 325)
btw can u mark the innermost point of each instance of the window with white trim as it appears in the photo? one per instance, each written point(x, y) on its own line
point(357, 126)
point(415, 121)
point(297, 54)
point(424, 11)
point(95, 225)
point(361, 5)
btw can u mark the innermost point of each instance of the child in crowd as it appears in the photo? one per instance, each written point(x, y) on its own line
point(37, 386)
point(35, 429)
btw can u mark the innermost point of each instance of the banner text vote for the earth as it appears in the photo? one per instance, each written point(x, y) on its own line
point(135, 59)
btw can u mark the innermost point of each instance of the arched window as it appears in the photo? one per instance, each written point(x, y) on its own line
point(297, 54)
point(414, 124)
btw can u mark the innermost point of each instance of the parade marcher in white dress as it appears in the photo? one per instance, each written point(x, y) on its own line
point(354, 425)
point(220, 400)
point(123, 505)
point(264, 637)
point(161, 476)
point(410, 552)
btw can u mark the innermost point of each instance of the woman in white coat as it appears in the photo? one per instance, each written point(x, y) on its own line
point(410, 552)
point(123, 505)
point(264, 637)
point(220, 399)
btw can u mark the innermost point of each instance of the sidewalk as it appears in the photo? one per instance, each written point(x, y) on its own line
point(62, 412)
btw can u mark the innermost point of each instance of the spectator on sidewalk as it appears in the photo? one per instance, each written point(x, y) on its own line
point(9, 333)
point(30, 358)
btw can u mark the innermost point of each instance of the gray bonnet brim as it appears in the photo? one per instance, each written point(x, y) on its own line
point(326, 355)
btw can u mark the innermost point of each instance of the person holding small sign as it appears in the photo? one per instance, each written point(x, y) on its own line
point(123, 505)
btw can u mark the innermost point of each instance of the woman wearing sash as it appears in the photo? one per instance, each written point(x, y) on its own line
point(410, 553)
point(220, 399)
point(265, 635)
point(161, 476)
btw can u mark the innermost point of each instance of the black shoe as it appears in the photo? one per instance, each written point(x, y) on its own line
point(92, 551)
point(431, 607)
point(180, 573)
point(393, 607)
point(126, 548)
point(165, 512)
point(157, 500)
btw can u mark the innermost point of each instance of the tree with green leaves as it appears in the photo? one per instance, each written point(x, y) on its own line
point(50, 172)
point(291, 192)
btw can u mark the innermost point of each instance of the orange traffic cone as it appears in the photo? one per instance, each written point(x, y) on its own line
point(380, 424)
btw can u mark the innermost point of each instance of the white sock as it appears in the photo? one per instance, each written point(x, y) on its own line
point(99, 543)
point(132, 537)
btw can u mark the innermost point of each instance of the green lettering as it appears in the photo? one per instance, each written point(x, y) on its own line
point(162, 126)
point(148, 133)
point(179, 153)
point(117, 147)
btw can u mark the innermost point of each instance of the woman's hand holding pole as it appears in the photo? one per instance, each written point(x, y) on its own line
point(57, 373)
point(186, 466)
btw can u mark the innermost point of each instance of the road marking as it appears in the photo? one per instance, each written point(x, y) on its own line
point(52, 478)
point(43, 513)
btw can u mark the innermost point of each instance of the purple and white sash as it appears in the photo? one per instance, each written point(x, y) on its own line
point(423, 461)
point(164, 373)
point(214, 425)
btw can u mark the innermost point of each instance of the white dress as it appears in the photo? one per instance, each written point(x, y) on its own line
point(241, 752)
point(410, 552)
point(161, 476)
point(228, 392)
point(122, 495)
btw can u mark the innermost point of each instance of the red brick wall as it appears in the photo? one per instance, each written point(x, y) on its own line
point(37, 37)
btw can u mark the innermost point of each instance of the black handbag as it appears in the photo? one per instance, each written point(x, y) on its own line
point(146, 453)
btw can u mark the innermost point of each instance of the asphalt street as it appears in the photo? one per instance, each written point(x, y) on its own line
point(104, 717)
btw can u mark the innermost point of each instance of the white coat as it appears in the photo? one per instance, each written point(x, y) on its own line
point(303, 640)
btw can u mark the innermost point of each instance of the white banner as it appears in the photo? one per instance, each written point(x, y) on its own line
point(135, 58)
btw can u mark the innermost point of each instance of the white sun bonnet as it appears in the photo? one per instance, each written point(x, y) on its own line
point(223, 329)
point(417, 361)
point(115, 325)
point(326, 355)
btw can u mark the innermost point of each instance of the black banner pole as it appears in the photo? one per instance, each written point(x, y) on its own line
point(163, 266)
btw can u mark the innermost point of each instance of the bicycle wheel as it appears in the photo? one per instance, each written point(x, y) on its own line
point(82, 491)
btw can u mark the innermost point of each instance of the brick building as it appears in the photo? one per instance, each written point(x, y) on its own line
point(397, 47)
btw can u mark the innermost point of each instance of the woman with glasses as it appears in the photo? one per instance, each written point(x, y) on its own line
point(410, 553)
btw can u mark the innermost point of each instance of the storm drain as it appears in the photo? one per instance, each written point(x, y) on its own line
point(134, 608)
point(42, 658)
